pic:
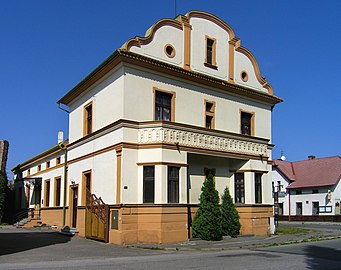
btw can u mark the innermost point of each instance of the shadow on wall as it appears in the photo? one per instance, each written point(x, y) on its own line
point(17, 242)
point(322, 257)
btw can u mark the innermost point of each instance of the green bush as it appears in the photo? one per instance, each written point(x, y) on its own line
point(207, 221)
point(229, 216)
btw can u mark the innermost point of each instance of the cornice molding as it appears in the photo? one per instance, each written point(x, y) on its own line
point(150, 33)
point(212, 18)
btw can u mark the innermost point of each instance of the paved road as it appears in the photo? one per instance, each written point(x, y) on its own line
point(29, 249)
point(30, 246)
point(320, 255)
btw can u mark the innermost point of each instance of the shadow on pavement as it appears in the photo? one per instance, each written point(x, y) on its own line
point(17, 242)
point(317, 256)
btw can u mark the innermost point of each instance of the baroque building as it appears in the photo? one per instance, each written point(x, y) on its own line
point(147, 126)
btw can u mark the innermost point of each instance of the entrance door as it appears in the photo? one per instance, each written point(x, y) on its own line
point(298, 209)
point(37, 199)
point(74, 206)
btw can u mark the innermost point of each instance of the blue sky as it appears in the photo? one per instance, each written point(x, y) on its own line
point(47, 47)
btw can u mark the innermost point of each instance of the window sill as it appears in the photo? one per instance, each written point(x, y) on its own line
point(211, 66)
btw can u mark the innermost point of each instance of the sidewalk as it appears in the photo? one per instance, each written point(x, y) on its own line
point(331, 231)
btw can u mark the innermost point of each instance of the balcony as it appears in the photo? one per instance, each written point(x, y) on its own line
point(197, 137)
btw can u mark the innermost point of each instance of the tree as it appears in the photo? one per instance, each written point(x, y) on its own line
point(207, 221)
point(229, 216)
point(2, 194)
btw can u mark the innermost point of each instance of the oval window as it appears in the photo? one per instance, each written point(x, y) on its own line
point(244, 76)
point(170, 51)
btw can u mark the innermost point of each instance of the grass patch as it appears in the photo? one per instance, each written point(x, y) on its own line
point(154, 248)
point(291, 230)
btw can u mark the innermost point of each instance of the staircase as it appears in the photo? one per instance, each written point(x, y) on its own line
point(28, 218)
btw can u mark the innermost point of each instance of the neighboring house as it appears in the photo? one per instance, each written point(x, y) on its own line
point(309, 189)
point(34, 179)
point(147, 126)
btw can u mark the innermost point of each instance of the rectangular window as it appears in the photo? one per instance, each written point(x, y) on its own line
point(28, 195)
point(273, 186)
point(298, 209)
point(173, 184)
point(316, 207)
point(246, 123)
point(57, 182)
point(86, 187)
point(279, 186)
point(239, 192)
point(280, 209)
point(28, 172)
point(258, 188)
point(163, 106)
point(57, 160)
point(47, 193)
point(87, 121)
point(209, 114)
point(298, 192)
point(47, 164)
point(210, 60)
point(39, 168)
point(148, 184)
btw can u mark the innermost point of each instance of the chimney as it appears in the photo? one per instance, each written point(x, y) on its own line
point(311, 157)
point(60, 136)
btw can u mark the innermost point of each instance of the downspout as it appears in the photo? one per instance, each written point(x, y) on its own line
point(62, 146)
point(65, 184)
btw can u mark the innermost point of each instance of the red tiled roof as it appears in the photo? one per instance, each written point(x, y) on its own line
point(316, 172)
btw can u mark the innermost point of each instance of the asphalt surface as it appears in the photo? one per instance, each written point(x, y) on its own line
point(40, 247)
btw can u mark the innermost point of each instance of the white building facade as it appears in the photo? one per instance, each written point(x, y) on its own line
point(148, 125)
point(309, 189)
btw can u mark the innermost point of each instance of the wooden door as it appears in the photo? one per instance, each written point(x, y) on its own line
point(96, 218)
point(74, 206)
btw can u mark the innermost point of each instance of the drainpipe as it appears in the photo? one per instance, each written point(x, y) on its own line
point(62, 146)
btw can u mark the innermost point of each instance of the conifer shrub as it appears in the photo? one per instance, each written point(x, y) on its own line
point(229, 216)
point(207, 221)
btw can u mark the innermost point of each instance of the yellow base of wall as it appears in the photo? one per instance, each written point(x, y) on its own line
point(159, 223)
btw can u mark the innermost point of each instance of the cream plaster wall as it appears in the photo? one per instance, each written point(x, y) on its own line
point(107, 98)
point(201, 28)
point(163, 36)
point(49, 175)
point(103, 169)
point(129, 176)
point(243, 63)
point(139, 86)
point(158, 155)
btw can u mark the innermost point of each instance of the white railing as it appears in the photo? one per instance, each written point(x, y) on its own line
point(201, 139)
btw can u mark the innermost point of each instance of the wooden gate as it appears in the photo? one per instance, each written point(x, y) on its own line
point(96, 218)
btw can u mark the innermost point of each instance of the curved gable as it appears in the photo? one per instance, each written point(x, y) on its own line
point(186, 42)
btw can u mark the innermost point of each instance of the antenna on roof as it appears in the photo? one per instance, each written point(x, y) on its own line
point(282, 155)
point(175, 11)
